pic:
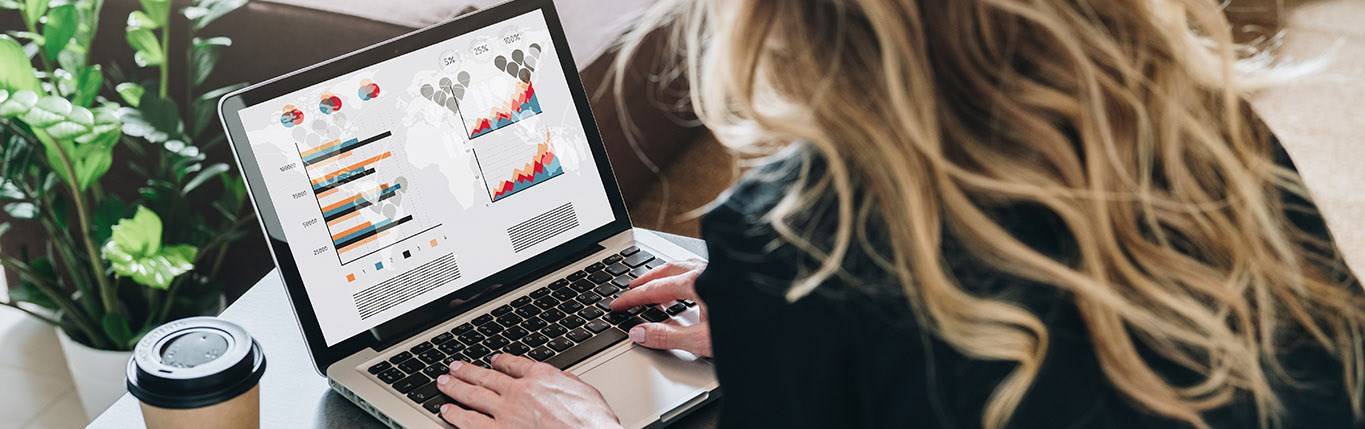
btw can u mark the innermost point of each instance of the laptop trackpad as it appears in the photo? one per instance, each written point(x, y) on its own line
point(641, 385)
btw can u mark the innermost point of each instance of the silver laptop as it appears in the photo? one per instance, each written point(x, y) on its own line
point(445, 196)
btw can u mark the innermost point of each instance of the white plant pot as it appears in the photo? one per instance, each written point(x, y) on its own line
point(97, 374)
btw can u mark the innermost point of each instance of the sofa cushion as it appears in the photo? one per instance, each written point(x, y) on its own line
point(590, 32)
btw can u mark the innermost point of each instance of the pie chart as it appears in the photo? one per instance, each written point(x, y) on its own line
point(330, 104)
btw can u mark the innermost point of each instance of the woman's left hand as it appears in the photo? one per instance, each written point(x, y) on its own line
point(521, 393)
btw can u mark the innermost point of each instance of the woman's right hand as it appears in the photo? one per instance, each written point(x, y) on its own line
point(663, 286)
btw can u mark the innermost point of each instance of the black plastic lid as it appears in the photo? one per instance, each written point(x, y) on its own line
point(194, 362)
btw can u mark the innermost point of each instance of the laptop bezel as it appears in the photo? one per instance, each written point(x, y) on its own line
point(452, 304)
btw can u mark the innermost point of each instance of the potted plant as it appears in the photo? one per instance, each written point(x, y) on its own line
point(114, 264)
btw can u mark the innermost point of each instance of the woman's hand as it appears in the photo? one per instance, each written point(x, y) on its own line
point(521, 393)
point(663, 286)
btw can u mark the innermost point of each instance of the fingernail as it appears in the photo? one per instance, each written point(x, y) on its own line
point(455, 365)
point(637, 334)
point(443, 379)
point(446, 407)
point(494, 358)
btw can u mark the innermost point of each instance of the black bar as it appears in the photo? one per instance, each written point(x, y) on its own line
point(375, 231)
point(361, 205)
point(340, 150)
point(343, 181)
point(386, 247)
point(577, 353)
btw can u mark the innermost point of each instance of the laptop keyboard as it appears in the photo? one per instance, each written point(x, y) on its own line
point(560, 324)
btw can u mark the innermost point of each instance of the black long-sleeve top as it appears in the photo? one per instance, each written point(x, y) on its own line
point(850, 354)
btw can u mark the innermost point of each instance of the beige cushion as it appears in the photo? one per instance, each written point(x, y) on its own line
point(590, 25)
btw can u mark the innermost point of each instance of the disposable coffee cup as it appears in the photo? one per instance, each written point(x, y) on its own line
point(200, 372)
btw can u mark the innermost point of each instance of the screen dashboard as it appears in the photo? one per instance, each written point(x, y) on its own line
point(407, 180)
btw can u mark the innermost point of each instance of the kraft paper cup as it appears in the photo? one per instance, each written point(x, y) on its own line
point(200, 373)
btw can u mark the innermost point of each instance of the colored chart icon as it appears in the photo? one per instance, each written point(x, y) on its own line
point(368, 90)
point(330, 103)
point(291, 116)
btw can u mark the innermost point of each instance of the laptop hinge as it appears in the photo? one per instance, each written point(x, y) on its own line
point(400, 329)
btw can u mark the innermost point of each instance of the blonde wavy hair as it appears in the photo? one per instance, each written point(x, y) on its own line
point(1124, 118)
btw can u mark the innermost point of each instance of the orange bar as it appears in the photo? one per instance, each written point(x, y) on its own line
point(320, 148)
point(343, 218)
point(348, 231)
point(363, 242)
point(343, 202)
point(329, 161)
point(368, 161)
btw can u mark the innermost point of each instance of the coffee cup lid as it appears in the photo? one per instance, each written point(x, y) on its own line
point(194, 362)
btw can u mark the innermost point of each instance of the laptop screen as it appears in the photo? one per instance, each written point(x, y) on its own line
point(407, 180)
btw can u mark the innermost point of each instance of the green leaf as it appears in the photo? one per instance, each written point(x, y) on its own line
point(135, 250)
point(204, 175)
point(58, 29)
point(18, 103)
point(22, 210)
point(25, 291)
point(106, 215)
point(138, 20)
point(158, 10)
point(161, 113)
point(16, 72)
point(33, 10)
point(146, 48)
point(204, 12)
point(116, 326)
point(88, 84)
point(204, 56)
point(94, 160)
point(131, 92)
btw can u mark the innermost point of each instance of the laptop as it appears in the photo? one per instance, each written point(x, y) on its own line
point(445, 195)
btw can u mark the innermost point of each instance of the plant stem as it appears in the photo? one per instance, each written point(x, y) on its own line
point(63, 301)
point(42, 56)
point(36, 315)
point(165, 88)
point(108, 295)
point(217, 241)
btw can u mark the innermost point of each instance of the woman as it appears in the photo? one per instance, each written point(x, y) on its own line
point(987, 213)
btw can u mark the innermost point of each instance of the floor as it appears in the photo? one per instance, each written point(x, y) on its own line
point(37, 392)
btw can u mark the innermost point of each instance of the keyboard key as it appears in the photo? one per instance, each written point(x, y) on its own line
point(597, 326)
point(535, 339)
point(576, 354)
point(477, 351)
point(541, 354)
point(596, 266)
point(654, 264)
point(412, 365)
point(539, 293)
point(434, 404)
point(564, 294)
point(424, 393)
point(472, 338)
point(410, 382)
point(490, 328)
point(553, 331)
point(495, 343)
point(451, 347)
point(605, 304)
point(402, 356)
point(462, 328)
point(392, 375)
point(621, 281)
point(510, 320)
point(559, 344)
point(559, 284)
point(515, 333)
point(639, 271)
point(635, 310)
point(583, 285)
point(638, 259)
point(630, 251)
point(572, 321)
point(501, 310)
point(535, 324)
point(434, 371)
point(546, 303)
point(449, 360)
point(612, 259)
point(552, 315)
point(482, 319)
point(431, 356)
point(518, 349)
point(528, 311)
point(690, 303)
point(617, 269)
point(606, 289)
point(588, 298)
point(570, 306)
point(676, 308)
point(616, 318)
point(578, 335)
point(482, 362)
point(441, 339)
point(576, 275)
point(590, 313)
point(420, 347)
point(654, 314)
point(600, 277)
point(630, 322)
point(380, 367)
